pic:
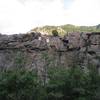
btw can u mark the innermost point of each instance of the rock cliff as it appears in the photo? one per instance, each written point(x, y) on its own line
point(36, 51)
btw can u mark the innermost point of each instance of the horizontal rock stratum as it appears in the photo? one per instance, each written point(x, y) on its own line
point(35, 51)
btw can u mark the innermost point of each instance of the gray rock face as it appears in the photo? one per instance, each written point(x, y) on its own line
point(74, 40)
point(36, 51)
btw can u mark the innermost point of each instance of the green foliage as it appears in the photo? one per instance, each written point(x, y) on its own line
point(63, 84)
point(20, 59)
point(73, 84)
point(54, 33)
point(17, 85)
point(63, 29)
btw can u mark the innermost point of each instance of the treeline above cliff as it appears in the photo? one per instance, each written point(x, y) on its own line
point(63, 29)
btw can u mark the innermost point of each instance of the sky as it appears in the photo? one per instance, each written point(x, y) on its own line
point(20, 16)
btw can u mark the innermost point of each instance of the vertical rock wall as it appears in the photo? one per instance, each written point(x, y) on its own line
point(35, 51)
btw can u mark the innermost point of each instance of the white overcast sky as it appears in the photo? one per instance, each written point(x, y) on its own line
point(18, 16)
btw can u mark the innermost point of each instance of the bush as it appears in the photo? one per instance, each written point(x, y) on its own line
point(18, 85)
point(55, 33)
point(72, 84)
point(62, 84)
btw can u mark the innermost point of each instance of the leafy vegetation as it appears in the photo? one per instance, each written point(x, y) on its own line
point(62, 84)
point(54, 33)
point(63, 29)
point(17, 85)
point(59, 83)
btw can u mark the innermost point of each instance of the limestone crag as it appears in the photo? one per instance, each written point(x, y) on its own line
point(35, 51)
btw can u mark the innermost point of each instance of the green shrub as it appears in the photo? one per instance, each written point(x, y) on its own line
point(17, 85)
point(62, 84)
point(20, 60)
point(72, 84)
point(55, 33)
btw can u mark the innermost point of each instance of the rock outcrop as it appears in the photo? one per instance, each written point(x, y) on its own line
point(36, 51)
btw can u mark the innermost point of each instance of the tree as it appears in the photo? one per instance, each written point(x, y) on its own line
point(55, 33)
point(18, 85)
